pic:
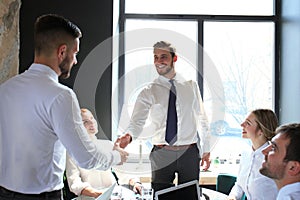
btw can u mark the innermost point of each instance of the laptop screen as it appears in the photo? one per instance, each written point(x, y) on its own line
point(107, 194)
point(188, 191)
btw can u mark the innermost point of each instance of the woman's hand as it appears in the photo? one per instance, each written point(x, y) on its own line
point(137, 188)
point(135, 185)
point(231, 198)
point(91, 192)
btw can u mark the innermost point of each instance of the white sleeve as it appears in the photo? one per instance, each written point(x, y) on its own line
point(140, 113)
point(67, 124)
point(202, 121)
point(75, 182)
point(237, 190)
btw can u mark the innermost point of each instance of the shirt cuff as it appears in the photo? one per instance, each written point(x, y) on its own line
point(116, 158)
point(77, 188)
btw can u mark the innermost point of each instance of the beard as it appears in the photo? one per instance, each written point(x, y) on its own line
point(274, 173)
point(65, 68)
point(166, 69)
point(264, 171)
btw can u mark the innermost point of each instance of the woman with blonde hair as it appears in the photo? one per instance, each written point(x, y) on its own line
point(259, 127)
point(92, 182)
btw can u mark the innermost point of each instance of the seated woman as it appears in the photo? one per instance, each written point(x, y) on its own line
point(92, 182)
point(259, 127)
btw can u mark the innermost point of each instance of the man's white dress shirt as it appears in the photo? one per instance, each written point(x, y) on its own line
point(39, 119)
point(153, 102)
point(289, 192)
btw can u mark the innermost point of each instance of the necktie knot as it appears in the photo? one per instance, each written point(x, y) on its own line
point(173, 89)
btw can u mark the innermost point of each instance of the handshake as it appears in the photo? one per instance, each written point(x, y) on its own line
point(120, 144)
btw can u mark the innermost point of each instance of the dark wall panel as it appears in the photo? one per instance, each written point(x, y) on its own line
point(94, 18)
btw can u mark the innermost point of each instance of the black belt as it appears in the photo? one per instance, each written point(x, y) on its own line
point(175, 148)
point(43, 195)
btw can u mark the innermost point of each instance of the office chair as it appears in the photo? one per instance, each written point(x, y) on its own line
point(244, 197)
point(68, 195)
point(225, 182)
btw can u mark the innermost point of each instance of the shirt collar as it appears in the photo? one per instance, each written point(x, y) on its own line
point(290, 188)
point(164, 80)
point(258, 151)
point(44, 70)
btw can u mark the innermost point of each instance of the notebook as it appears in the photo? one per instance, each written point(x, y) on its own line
point(189, 190)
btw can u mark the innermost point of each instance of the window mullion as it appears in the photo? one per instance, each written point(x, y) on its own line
point(200, 57)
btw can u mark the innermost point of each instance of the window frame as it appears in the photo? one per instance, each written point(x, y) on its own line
point(275, 18)
point(200, 19)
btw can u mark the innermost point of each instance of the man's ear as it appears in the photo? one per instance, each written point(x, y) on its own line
point(175, 58)
point(62, 51)
point(294, 168)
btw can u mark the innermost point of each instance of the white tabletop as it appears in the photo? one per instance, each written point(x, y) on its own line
point(214, 195)
point(126, 194)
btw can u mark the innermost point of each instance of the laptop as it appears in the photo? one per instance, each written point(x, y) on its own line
point(107, 194)
point(189, 191)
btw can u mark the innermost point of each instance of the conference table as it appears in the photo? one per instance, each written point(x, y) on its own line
point(208, 194)
point(143, 170)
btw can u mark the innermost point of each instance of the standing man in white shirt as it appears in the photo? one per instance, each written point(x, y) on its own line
point(40, 118)
point(282, 161)
point(178, 153)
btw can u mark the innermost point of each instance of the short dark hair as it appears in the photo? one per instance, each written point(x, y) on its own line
point(52, 30)
point(291, 132)
point(165, 45)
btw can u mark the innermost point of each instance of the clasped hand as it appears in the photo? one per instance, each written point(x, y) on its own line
point(120, 144)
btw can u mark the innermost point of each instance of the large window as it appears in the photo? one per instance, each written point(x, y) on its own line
point(227, 46)
point(243, 55)
point(201, 7)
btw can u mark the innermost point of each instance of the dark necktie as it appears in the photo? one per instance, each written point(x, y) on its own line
point(171, 127)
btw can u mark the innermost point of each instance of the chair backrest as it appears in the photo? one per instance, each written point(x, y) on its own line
point(68, 195)
point(225, 182)
point(244, 197)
